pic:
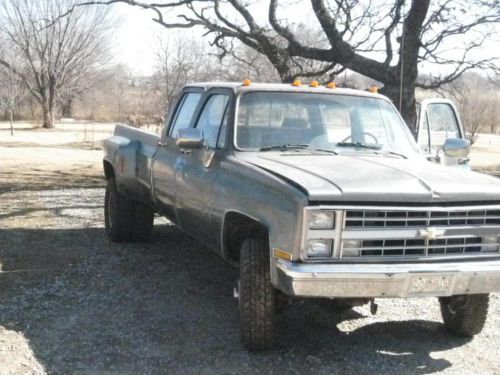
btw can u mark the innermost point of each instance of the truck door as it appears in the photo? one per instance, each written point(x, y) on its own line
point(198, 168)
point(439, 120)
point(166, 159)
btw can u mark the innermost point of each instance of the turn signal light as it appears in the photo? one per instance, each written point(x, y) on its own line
point(282, 254)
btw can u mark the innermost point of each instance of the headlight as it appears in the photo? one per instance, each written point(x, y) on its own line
point(319, 248)
point(321, 219)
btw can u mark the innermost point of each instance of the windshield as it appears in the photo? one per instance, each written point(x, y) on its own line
point(270, 120)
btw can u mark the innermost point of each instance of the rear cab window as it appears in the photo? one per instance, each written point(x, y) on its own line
point(184, 112)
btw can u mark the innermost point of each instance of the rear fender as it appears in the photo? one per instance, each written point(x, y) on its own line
point(122, 154)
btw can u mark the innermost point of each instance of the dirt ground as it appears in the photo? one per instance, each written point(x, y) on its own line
point(71, 302)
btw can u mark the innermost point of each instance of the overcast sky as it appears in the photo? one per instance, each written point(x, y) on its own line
point(136, 38)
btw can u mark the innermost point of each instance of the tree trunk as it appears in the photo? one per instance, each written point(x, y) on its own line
point(406, 105)
point(48, 118)
point(67, 108)
point(11, 123)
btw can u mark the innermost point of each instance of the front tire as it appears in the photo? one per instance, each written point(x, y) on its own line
point(256, 296)
point(465, 315)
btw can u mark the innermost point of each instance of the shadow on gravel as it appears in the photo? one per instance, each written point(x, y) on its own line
point(36, 180)
point(88, 306)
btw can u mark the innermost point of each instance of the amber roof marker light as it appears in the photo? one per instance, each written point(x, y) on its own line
point(246, 82)
point(373, 89)
point(296, 83)
point(314, 84)
point(331, 85)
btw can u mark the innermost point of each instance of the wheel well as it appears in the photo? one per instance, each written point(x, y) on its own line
point(238, 227)
point(108, 170)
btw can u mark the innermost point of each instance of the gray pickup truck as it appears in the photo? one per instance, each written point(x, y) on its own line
point(312, 192)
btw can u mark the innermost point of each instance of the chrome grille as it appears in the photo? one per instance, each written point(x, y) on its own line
point(394, 219)
point(418, 247)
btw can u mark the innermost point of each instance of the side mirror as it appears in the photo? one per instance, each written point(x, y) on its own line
point(456, 147)
point(189, 138)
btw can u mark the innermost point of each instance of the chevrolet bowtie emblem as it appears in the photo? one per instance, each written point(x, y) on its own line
point(430, 233)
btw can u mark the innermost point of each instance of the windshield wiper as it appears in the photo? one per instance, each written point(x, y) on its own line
point(358, 145)
point(284, 147)
point(370, 147)
point(325, 150)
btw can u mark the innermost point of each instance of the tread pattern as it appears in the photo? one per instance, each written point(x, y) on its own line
point(125, 219)
point(465, 315)
point(143, 222)
point(256, 296)
point(118, 214)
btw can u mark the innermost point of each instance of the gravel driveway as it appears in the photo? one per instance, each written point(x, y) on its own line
point(71, 302)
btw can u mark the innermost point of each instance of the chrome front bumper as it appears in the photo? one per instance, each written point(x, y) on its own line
point(388, 280)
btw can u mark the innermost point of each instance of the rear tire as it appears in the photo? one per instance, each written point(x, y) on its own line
point(125, 219)
point(118, 214)
point(256, 296)
point(465, 315)
point(143, 222)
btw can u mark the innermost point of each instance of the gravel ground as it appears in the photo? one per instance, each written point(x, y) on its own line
point(71, 302)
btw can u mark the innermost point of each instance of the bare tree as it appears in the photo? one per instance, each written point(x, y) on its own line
point(11, 89)
point(477, 101)
point(58, 51)
point(384, 41)
point(181, 60)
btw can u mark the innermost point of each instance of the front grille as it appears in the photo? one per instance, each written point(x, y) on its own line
point(411, 247)
point(404, 219)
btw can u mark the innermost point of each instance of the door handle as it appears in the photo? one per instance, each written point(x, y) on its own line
point(185, 151)
point(162, 143)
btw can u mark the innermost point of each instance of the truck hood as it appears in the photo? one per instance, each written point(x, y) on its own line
point(372, 177)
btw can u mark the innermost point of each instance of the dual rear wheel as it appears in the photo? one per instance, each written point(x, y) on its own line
point(126, 219)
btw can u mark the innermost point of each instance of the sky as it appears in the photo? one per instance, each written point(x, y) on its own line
point(135, 39)
point(137, 35)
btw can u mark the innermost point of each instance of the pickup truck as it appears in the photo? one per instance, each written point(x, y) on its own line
point(311, 191)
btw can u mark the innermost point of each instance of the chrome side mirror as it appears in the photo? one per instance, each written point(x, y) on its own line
point(456, 147)
point(189, 138)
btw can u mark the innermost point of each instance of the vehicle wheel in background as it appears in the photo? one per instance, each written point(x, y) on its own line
point(256, 296)
point(465, 315)
point(143, 222)
point(118, 214)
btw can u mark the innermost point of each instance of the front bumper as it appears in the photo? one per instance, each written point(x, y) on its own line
point(388, 280)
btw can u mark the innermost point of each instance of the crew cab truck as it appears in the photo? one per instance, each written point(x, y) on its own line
point(311, 191)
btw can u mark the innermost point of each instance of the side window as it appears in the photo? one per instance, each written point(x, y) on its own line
point(442, 124)
point(184, 113)
point(211, 117)
point(423, 135)
point(223, 130)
